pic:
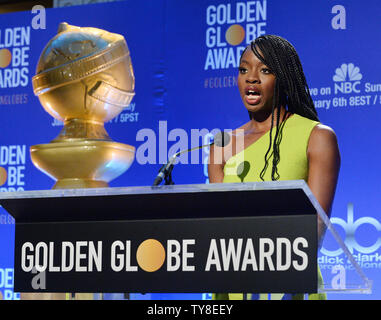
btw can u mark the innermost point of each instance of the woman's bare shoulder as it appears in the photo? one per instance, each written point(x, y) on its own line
point(323, 143)
point(322, 134)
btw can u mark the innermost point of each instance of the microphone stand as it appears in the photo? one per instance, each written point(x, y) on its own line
point(168, 177)
point(168, 172)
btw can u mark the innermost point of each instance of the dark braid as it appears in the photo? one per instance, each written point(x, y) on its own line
point(291, 90)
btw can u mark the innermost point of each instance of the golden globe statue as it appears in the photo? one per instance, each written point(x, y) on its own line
point(84, 78)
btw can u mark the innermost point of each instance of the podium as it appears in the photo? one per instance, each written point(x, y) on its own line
point(235, 237)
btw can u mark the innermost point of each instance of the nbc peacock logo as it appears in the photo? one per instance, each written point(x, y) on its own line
point(347, 78)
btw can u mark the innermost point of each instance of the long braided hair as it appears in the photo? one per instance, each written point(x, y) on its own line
point(291, 90)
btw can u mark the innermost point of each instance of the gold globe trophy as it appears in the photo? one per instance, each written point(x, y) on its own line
point(84, 78)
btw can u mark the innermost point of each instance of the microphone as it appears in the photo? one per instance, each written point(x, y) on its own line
point(243, 169)
point(221, 139)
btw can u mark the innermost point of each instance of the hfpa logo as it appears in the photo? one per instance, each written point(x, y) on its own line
point(347, 78)
point(350, 226)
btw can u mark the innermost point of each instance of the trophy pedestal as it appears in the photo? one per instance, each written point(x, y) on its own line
point(79, 184)
point(82, 163)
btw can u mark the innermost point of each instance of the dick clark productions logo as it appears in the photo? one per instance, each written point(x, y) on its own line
point(350, 227)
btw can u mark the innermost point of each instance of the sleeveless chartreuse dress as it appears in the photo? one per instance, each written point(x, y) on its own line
point(293, 165)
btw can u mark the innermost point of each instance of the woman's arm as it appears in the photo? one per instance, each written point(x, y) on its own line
point(215, 165)
point(323, 169)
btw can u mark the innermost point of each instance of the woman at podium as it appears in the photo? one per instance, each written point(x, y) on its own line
point(283, 140)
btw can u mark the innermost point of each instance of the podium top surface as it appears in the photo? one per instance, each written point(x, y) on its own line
point(184, 188)
point(175, 201)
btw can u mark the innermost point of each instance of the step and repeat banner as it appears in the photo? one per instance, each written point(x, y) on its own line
point(185, 57)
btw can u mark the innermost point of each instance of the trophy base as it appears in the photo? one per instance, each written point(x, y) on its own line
point(79, 163)
point(79, 184)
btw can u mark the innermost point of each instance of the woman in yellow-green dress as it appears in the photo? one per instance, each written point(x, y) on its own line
point(283, 140)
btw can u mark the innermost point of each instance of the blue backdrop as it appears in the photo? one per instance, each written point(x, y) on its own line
point(184, 55)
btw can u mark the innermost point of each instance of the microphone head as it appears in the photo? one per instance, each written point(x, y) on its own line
point(221, 139)
point(243, 169)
